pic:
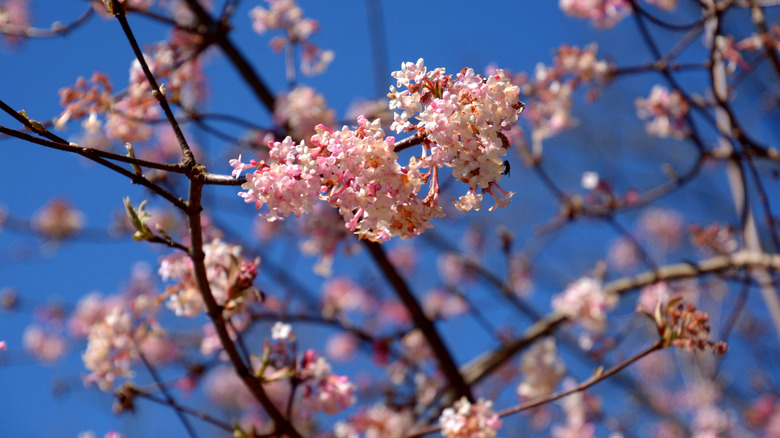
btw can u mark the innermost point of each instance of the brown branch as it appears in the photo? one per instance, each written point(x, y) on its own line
point(446, 362)
point(215, 310)
point(119, 13)
point(591, 381)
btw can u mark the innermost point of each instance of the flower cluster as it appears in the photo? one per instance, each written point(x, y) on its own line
point(684, 326)
point(549, 91)
point(357, 171)
point(58, 220)
point(585, 302)
point(111, 349)
point(301, 110)
point(230, 276)
point(14, 20)
point(464, 117)
point(466, 420)
point(542, 369)
point(288, 16)
point(667, 109)
point(602, 13)
point(377, 421)
point(322, 390)
point(128, 114)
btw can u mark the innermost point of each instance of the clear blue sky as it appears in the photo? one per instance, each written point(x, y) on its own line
point(453, 34)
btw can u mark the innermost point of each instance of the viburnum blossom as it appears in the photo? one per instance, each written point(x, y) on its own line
point(45, 345)
point(378, 421)
point(58, 219)
point(542, 369)
point(110, 350)
point(301, 110)
point(603, 13)
point(14, 20)
point(341, 295)
point(357, 171)
point(322, 390)
point(467, 420)
point(288, 16)
point(549, 91)
point(585, 302)
point(464, 117)
point(667, 109)
point(662, 227)
point(230, 277)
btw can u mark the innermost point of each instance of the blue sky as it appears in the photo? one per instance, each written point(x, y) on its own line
point(453, 34)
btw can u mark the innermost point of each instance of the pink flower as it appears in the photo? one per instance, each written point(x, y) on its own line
point(466, 420)
point(301, 110)
point(603, 13)
point(44, 345)
point(667, 111)
point(542, 369)
point(585, 302)
point(340, 295)
point(288, 16)
point(662, 227)
point(322, 390)
point(14, 20)
point(58, 220)
point(377, 421)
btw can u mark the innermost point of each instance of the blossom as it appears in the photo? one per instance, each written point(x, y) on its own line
point(58, 219)
point(550, 89)
point(229, 275)
point(603, 13)
point(281, 332)
point(377, 421)
point(14, 20)
point(110, 349)
point(667, 111)
point(45, 345)
point(662, 227)
point(467, 420)
point(542, 369)
point(358, 172)
point(288, 16)
point(322, 390)
point(586, 302)
point(340, 295)
point(301, 110)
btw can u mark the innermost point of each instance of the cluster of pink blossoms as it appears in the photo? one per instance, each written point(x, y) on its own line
point(603, 13)
point(230, 277)
point(542, 369)
point(585, 302)
point(14, 20)
point(301, 110)
point(320, 390)
point(467, 420)
point(550, 90)
point(667, 109)
point(357, 171)
point(128, 114)
point(111, 349)
point(377, 421)
point(58, 220)
point(288, 16)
